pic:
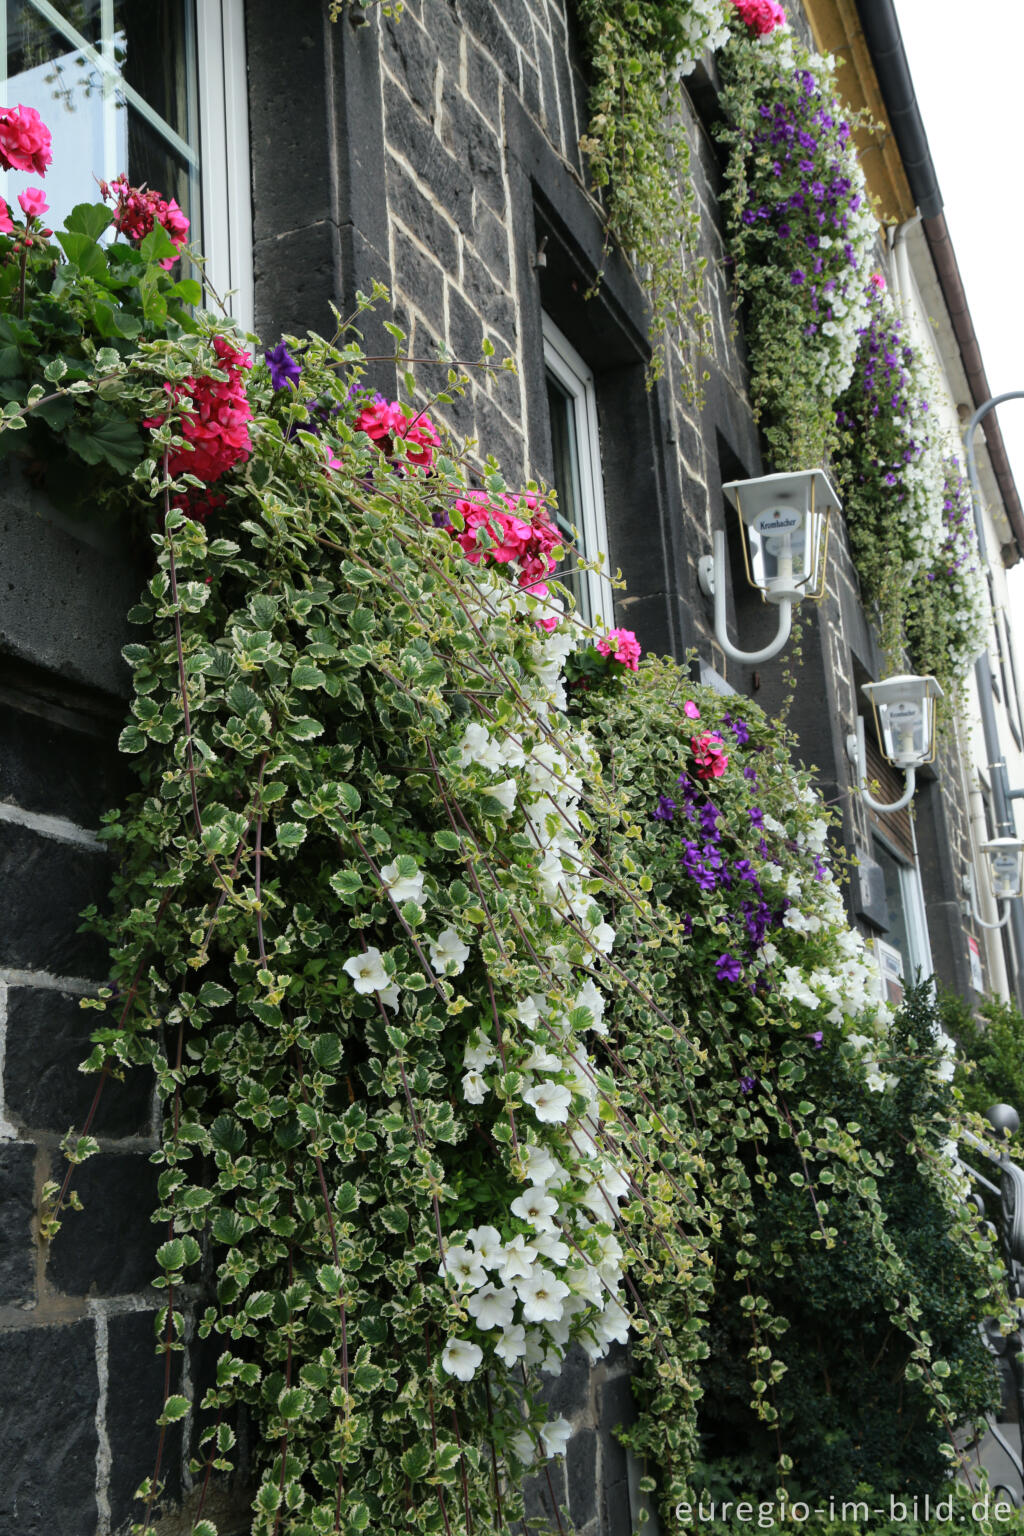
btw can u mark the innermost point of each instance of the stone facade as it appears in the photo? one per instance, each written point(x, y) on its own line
point(440, 156)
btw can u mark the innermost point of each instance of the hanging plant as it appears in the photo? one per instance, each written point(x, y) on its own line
point(948, 614)
point(638, 156)
point(800, 232)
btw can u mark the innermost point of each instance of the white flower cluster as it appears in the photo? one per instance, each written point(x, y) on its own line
point(704, 26)
point(554, 1273)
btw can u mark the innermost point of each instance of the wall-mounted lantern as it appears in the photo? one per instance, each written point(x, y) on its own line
point(904, 709)
point(1004, 856)
point(784, 520)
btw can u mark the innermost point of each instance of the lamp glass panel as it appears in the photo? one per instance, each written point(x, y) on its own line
point(1005, 867)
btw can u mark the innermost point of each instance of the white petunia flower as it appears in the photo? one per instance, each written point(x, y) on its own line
point(487, 1243)
point(474, 1089)
point(602, 936)
point(540, 1165)
point(402, 887)
point(505, 792)
point(555, 1436)
point(464, 1267)
point(542, 1296)
point(540, 1060)
point(531, 1010)
point(461, 1358)
point(492, 1307)
point(536, 1208)
point(389, 997)
point(519, 1259)
point(478, 746)
point(367, 972)
point(448, 954)
point(549, 1246)
point(590, 997)
point(550, 1102)
point(479, 1052)
point(524, 1447)
point(510, 1345)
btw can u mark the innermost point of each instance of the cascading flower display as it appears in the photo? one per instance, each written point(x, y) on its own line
point(800, 230)
point(948, 614)
point(513, 530)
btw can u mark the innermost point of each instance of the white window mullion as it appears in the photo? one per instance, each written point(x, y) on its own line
point(224, 128)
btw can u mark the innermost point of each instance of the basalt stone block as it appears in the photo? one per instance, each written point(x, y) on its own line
point(581, 1476)
point(567, 1393)
point(47, 1038)
point(135, 1392)
point(44, 885)
point(48, 1431)
point(419, 215)
point(107, 1249)
point(17, 1204)
point(419, 279)
point(52, 769)
point(67, 588)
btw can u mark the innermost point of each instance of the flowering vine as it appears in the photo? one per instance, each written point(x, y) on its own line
point(800, 232)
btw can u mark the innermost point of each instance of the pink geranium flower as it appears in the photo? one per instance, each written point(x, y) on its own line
point(709, 756)
point(24, 140)
point(520, 532)
point(33, 202)
point(384, 420)
point(690, 710)
point(761, 16)
point(137, 209)
point(215, 418)
point(6, 223)
point(622, 645)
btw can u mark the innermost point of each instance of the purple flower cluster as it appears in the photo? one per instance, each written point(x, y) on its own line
point(885, 424)
point(711, 869)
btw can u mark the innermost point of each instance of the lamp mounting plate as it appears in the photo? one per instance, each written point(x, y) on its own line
point(706, 575)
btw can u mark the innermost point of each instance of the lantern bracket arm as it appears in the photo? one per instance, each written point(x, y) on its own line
point(975, 914)
point(857, 753)
point(711, 575)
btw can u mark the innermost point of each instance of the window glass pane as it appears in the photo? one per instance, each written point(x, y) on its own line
point(566, 475)
point(114, 82)
point(899, 936)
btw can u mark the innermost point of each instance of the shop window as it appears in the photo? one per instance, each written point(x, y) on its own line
point(138, 86)
point(576, 456)
point(904, 952)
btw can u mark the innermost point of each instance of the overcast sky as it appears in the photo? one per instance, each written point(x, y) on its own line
point(967, 65)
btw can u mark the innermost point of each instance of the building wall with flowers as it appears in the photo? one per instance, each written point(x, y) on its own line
point(439, 154)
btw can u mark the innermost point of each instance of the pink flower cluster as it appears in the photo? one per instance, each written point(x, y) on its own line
point(761, 16)
point(622, 645)
point(24, 140)
point(521, 532)
point(384, 420)
point(137, 209)
point(709, 755)
point(216, 422)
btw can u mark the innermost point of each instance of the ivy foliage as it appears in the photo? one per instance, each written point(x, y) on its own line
point(991, 1065)
point(638, 156)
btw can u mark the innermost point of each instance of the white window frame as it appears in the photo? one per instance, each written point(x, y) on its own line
point(222, 158)
point(566, 365)
point(225, 167)
point(914, 916)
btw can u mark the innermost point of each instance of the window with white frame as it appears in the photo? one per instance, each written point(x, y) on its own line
point(151, 88)
point(576, 452)
point(907, 927)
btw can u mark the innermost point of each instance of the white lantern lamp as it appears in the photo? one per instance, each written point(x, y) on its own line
point(904, 709)
point(1005, 874)
point(785, 523)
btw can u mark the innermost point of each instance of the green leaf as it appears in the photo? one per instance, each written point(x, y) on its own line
point(304, 675)
point(171, 1255)
point(327, 1051)
point(175, 1408)
point(347, 1199)
point(395, 1218)
point(89, 219)
point(303, 729)
point(158, 246)
point(415, 1461)
point(290, 834)
point(110, 439)
point(213, 995)
point(87, 256)
point(448, 840)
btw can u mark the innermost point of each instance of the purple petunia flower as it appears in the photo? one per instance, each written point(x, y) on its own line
point(728, 968)
point(748, 1084)
point(664, 809)
point(756, 816)
point(284, 370)
point(818, 1036)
